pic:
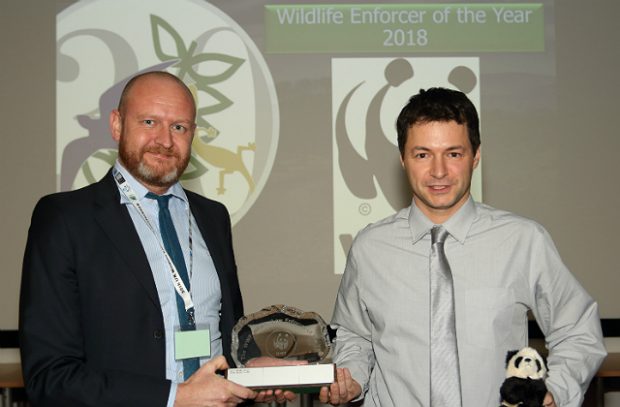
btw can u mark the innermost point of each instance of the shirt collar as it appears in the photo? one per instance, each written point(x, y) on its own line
point(458, 225)
point(140, 190)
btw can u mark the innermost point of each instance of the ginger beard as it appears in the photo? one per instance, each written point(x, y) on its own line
point(161, 174)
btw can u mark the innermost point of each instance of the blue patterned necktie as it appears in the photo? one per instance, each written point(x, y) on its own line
point(445, 377)
point(173, 247)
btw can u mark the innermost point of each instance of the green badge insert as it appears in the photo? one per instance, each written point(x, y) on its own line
point(192, 344)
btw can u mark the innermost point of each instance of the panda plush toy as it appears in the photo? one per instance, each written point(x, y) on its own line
point(524, 386)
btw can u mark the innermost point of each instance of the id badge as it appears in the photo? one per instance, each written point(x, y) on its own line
point(192, 344)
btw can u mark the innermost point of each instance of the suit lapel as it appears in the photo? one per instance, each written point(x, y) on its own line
point(115, 221)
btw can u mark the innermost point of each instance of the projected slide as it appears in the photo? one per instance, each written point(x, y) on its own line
point(270, 78)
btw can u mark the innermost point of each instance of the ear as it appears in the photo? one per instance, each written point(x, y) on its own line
point(193, 131)
point(477, 156)
point(542, 363)
point(116, 124)
point(509, 356)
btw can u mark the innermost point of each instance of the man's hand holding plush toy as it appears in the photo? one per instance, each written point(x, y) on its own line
point(549, 401)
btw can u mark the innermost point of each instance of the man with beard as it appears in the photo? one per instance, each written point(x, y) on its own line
point(115, 311)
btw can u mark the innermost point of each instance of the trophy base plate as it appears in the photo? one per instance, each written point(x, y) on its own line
point(302, 377)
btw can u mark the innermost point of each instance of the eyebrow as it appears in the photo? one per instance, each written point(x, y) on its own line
point(142, 116)
point(451, 148)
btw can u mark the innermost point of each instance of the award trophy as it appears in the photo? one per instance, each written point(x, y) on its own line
point(281, 332)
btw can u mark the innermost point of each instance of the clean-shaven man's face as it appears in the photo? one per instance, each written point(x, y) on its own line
point(439, 163)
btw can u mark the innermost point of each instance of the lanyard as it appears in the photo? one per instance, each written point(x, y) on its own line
point(179, 286)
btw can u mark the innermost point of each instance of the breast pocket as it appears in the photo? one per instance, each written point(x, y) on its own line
point(488, 316)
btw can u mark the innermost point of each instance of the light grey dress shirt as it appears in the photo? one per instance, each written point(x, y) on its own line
point(503, 265)
point(204, 281)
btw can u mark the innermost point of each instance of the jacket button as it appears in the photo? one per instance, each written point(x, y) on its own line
point(158, 334)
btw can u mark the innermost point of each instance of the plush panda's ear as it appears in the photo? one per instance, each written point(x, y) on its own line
point(509, 356)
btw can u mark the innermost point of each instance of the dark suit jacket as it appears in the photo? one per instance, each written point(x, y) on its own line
point(91, 326)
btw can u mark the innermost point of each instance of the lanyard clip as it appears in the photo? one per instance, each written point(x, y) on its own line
point(191, 319)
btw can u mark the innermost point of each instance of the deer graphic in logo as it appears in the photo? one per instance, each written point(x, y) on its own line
point(227, 161)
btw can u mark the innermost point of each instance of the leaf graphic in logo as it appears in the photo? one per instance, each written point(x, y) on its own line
point(189, 60)
point(159, 24)
point(230, 63)
point(212, 61)
point(221, 68)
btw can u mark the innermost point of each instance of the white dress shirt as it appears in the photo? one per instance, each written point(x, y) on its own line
point(503, 265)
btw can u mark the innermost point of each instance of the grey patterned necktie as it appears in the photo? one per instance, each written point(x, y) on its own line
point(445, 379)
